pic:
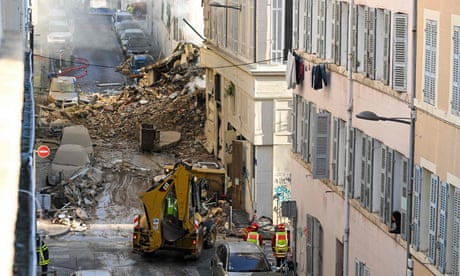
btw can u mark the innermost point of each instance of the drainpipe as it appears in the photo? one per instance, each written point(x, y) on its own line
point(409, 265)
point(255, 32)
point(346, 227)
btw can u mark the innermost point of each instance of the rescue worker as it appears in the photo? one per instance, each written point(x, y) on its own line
point(43, 258)
point(251, 234)
point(280, 244)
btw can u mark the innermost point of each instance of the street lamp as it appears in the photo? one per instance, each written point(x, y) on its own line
point(371, 116)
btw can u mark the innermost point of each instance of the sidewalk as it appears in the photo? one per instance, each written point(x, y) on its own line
point(46, 228)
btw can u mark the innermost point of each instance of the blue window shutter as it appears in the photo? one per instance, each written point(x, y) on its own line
point(443, 202)
point(456, 234)
point(417, 207)
point(321, 148)
point(432, 223)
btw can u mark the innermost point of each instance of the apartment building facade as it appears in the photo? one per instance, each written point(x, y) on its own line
point(247, 103)
point(332, 149)
point(436, 228)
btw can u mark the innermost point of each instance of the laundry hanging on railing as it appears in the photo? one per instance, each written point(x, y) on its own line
point(291, 71)
point(318, 76)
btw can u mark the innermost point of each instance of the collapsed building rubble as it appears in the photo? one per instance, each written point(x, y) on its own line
point(169, 96)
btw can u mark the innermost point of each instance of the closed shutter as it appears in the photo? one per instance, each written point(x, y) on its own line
point(351, 166)
point(386, 47)
point(456, 234)
point(294, 123)
point(455, 103)
point(309, 237)
point(335, 151)
point(432, 222)
point(386, 184)
point(354, 38)
point(366, 172)
point(321, 30)
point(305, 136)
point(311, 132)
point(336, 12)
point(443, 201)
point(400, 52)
point(321, 148)
point(317, 248)
point(308, 25)
point(383, 172)
point(404, 182)
point(370, 61)
point(429, 85)
point(366, 38)
point(295, 25)
point(417, 207)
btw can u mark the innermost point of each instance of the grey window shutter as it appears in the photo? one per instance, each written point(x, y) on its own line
point(455, 104)
point(389, 186)
point(417, 207)
point(294, 117)
point(309, 245)
point(370, 61)
point(369, 174)
point(383, 177)
point(400, 41)
point(456, 233)
point(305, 130)
point(404, 183)
point(432, 223)
point(354, 38)
point(429, 85)
point(336, 12)
point(295, 24)
point(321, 29)
point(321, 148)
point(308, 25)
point(311, 132)
point(366, 39)
point(363, 169)
point(335, 151)
point(443, 203)
point(351, 159)
point(386, 47)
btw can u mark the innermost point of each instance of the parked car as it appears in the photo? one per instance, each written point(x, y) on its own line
point(128, 24)
point(137, 46)
point(240, 258)
point(130, 34)
point(78, 135)
point(91, 272)
point(138, 62)
point(120, 16)
point(63, 91)
point(68, 160)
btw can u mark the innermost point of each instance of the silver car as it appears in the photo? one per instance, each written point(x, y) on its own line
point(240, 258)
point(63, 91)
point(78, 135)
point(68, 161)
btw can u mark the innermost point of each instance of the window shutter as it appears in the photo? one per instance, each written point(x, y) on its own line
point(456, 234)
point(443, 201)
point(336, 12)
point(311, 132)
point(308, 25)
point(400, 52)
point(429, 85)
point(455, 104)
point(295, 25)
point(432, 223)
point(309, 245)
point(320, 32)
point(383, 177)
point(366, 39)
point(351, 159)
point(417, 207)
point(354, 38)
point(294, 117)
point(321, 148)
point(335, 151)
point(368, 189)
point(305, 127)
point(370, 61)
point(386, 46)
point(405, 181)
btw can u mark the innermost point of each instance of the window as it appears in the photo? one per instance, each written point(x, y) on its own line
point(455, 102)
point(366, 171)
point(431, 44)
point(359, 26)
point(310, 13)
point(456, 232)
point(314, 247)
point(295, 24)
point(338, 151)
point(306, 117)
point(336, 31)
point(382, 47)
point(361, 269)
point(400, 52)
point(343, 44)
point(277, 30)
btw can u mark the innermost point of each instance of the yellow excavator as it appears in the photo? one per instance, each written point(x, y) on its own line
point(174, 215)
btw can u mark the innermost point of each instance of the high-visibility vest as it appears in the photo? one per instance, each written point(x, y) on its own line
point(43, 256)
point(281, 243)
point(253, 237)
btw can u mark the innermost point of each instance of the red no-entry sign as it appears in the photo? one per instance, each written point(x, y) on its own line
point(43, 151)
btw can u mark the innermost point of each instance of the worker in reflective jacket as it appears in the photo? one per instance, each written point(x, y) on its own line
point(280, 244)
point(251, 234)
point(43, 258)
